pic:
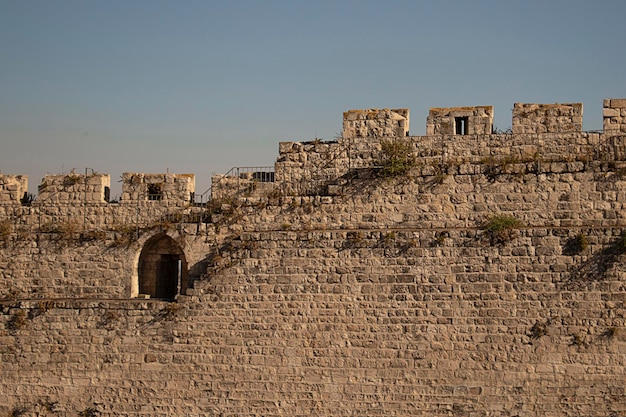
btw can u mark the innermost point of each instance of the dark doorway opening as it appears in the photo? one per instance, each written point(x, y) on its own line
point(162, 268)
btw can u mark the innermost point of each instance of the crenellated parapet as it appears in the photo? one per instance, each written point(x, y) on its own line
point(167, 188)
point(463, 272)
point(547, 118)
point(460, 134)
point(73, 187)
point(460, 120)
point(375, 122)
point(13, 188)
point(614, 114)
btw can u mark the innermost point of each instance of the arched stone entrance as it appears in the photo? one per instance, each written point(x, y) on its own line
point(162, 268)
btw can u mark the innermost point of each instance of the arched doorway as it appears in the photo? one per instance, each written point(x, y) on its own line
point(162, 268)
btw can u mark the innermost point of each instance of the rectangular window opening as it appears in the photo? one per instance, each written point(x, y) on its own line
point(155, 192)
point(460, 124)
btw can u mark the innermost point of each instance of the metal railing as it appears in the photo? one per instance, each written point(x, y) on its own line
point(261, 174)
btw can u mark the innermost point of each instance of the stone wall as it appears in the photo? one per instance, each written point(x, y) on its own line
point(173, 188)
point(460, 120)
point(74, 188)
point(375, 122)
point(394, 321)
point(12, 188)
point(614, 113)
point(305, 168)
point(250, 182)
point(487, 280)
point(71, 242)
point(310, 168)
point(547, 118)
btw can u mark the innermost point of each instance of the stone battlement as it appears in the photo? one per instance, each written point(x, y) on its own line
point(527, 119)
point(463, 273)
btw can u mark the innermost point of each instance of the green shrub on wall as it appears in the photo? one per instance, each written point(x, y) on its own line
point(396, 158)
point(501, 228)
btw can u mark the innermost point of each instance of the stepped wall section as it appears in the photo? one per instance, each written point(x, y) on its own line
point(487, 279)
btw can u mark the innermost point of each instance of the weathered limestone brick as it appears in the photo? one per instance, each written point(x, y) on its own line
point(375, 123)
point(72, 187)
point(547, 118)
point(490, 280)
point(167, 188)
point(13, 188)
point(243, 183)
point(460, 121)
point(614, 114)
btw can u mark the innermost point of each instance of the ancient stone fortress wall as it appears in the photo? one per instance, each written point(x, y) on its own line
point(452, 274)
point(12, 188)
point(68, 241)
point(375, 122)
point(173, 188)
point(614, 113)
point(547, 118)
point(460, 120)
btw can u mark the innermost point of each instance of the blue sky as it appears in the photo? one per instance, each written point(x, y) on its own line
point(201, 86)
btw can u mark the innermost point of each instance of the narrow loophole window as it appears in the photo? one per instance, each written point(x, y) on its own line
point(460, 125)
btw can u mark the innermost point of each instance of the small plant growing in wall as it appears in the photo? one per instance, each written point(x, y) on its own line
point(387, 240)
point(42, 307)
point(501, 228)
point(27, 199)
point(6, 228)
point(68, 230)
point(41, 187)
point(124, 235)
point(13, 294)
point(493, 167)
point(496, 131)
point(71, 179)
point(538, 330)
point(170, 311)
point(610, 333)
point(576, 245)
point(89, 412)
point(92, 235)
point(440, 238)
point(107, 319)
point(48, 405)
point(355, 239)
point(17, 320)
point(396, 158)
point(18, 411)
point(579, 339)
point(440, 172)
point(582, 241)
point(65, 231)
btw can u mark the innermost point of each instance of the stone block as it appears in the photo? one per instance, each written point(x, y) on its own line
point(618, 102)
point(610, 112)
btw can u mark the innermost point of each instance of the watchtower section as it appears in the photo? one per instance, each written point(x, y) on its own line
point(460, 120)
point(72, 187)
point(614, 115)
point(13, 188)
point(375, 123)
point(547, 118)
point(176, 189)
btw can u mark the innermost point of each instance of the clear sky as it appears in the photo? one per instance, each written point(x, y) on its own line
point(201, 86)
